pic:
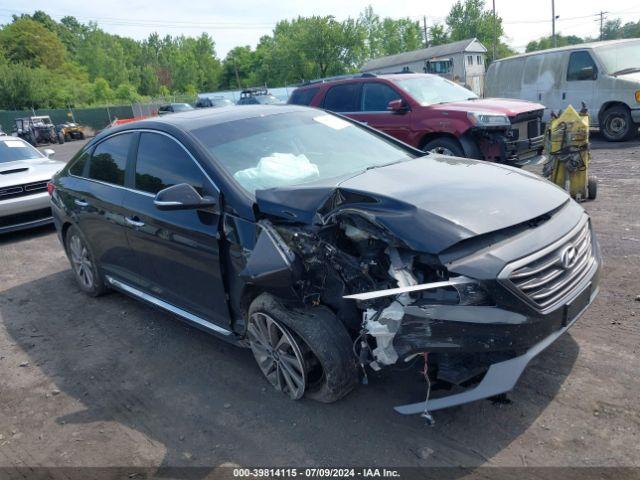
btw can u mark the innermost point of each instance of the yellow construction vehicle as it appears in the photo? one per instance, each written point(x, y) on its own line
point(567, 145)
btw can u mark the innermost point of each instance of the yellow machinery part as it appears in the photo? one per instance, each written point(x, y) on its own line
point(567, 144)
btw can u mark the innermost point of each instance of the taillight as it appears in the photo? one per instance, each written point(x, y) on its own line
point(50, 188)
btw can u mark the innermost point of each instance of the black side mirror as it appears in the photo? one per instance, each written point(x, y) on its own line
point(182, 197)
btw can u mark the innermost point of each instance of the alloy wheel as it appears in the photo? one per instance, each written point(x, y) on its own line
point(278, 355)
point(81, 261)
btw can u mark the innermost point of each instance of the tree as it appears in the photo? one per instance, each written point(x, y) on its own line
point(102, 92)
point(438, 35)
point(469, 19)
point(547, 42)
point(28, 42)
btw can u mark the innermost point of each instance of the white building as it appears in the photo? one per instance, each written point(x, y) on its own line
point(462, 61)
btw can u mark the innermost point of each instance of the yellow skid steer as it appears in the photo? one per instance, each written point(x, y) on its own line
point(567, 144)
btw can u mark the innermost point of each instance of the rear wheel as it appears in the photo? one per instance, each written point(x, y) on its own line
point(301, 351)
point(617, 124)
point(445, 146)
point(85, 269)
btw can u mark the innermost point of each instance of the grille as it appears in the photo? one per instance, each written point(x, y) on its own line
point(22, 190)
point(548, 279)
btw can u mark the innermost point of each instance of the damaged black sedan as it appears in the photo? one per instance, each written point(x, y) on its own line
point(329, 248)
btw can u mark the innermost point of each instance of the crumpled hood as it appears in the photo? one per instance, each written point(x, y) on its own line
point(27, 171)
point(429, 203)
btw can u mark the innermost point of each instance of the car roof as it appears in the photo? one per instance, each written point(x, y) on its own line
point(195, 119)
point(364, 78)
point(577, 46)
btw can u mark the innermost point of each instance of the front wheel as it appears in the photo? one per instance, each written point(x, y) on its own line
point(445, 146)
point(617, 124)
point(301, 351)
point(85, 268)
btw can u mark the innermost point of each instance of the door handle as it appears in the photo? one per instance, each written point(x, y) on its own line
point(81, 203)
point(134, 221)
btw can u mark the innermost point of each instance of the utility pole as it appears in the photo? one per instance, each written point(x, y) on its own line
point(602, 19)
point(495, 32)
point(235, 67)
point(424, 29)
point(553, 23)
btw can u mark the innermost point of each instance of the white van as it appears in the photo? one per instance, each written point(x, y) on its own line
point(603, 75)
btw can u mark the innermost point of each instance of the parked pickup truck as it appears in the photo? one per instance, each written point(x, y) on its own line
point(433, 114)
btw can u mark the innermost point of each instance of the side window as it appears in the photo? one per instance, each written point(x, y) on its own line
point(581, 67)
point(162, 163)
point(109, 159)
point(469, 60)
point(77, 165)
point(303, 96)
point(376, 97)
point(342, 98)
point(479, 59)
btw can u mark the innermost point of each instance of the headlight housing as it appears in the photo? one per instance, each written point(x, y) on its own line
point(488, 119)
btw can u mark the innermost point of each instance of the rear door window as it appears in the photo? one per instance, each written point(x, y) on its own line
point(109, 160)
point(162, 163)
point(376, 97)
point(343, 98)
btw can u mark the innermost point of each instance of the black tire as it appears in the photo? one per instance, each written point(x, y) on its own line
point(81, 136)
point(617, 125)
point(326, 346)
point(96, 287)
point(592, 188)
point(445, 146)
point(60, 138)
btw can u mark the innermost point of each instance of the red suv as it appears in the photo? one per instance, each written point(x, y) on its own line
point(433, 114)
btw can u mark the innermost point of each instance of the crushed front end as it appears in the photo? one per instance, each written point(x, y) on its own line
point(518, 143)
point(472, 313)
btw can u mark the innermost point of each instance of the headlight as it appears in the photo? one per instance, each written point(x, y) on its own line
point(486, 119)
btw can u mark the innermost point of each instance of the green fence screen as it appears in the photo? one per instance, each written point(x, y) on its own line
point(96, 118)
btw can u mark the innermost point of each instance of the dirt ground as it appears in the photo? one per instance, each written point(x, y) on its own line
point(110, 381)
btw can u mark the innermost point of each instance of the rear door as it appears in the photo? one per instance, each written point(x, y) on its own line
point(179, 250)
point(372, 110)
point(343, 98)
point(95, 200)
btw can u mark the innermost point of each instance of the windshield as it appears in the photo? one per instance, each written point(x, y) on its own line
point(181, 107)
point(13, 149)
point(295, 148)
point(431, 89)
point(620, 57)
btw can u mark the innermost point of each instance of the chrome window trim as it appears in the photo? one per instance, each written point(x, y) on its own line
point(410, 288)
point(166, 306)
point(503, 276)
point(134, 190)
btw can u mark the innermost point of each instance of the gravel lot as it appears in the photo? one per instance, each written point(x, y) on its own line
point(110, 381)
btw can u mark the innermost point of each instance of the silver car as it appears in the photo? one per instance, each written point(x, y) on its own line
point(24, 174)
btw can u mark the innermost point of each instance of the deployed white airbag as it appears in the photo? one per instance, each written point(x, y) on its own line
point(276, 170)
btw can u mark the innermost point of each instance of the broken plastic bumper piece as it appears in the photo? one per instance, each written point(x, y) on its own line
point(500, 378)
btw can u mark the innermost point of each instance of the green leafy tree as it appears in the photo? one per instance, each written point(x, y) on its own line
point(438, 35)
point(547, 42)
point(102, 92)
point(28, 42)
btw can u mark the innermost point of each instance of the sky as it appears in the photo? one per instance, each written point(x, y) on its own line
point(243, 22)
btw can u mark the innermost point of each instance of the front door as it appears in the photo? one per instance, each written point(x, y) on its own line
point(177, 251)
point(373, 111)
point(580, 81)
